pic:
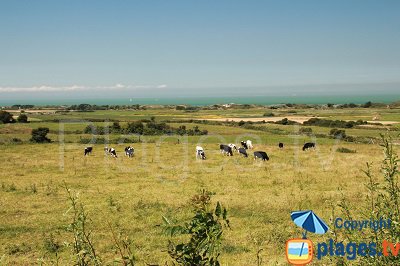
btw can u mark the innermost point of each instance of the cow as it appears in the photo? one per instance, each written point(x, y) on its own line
point(225, 149)
point(249, 144)
point(233, 146)
point(88, 150)
point(129, 151)
point(243, 152)
point(262, 155)
point(222, 147)
point(113, 152)
point(308, 145)
point(200, 154)
point(110, 151)
point(244, 144)
point(280, 145)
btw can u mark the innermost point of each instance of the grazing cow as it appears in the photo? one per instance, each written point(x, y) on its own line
point(129, 151)
point(222, 147)
point(88, 150)
point(233, 146)
point(308, 145)
point(244, 144)
point(243, 152)
point(225, 149)
point(262, 155)
point(249, 144)
point(280, 145)
point(200, 154)
point(110, 151)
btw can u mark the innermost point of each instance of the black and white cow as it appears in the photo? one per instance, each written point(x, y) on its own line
point(225, 149)
point(247, 144)
point(308, 145)
point(110, 151)
point(280, 145)
point(129, 151)
point(244, 144)
point(262, 155)
point(233, 147)
point(88, 150)
point(200, 154)
point(243, 152)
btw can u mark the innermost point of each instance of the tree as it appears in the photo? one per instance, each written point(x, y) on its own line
point(39, 135)
point(116, 127)
point(367, 105)
point(22, 118)
point(136, 127)
point(6, 117)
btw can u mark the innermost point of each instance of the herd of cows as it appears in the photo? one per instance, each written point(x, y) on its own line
point(200, 153)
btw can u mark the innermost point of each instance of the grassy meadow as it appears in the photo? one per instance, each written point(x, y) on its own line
point(132, 194)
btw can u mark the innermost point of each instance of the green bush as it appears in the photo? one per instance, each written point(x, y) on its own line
point(286, 121)
point(22, 118)
point(305, 130)
point(268, 114)
point(205, 232)
point(337, 133)
point(382, 202)
point(39, 135)
point(6, 117)
point(345, 150)
point(333, 123)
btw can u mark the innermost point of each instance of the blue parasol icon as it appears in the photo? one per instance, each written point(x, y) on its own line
point(310, 222)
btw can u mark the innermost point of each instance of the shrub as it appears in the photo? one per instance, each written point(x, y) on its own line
point(345, 150)
point(16, 140)
point(268, 114)
point(180, 107)
point(82, 248)
point(337, 133)
point(6, 117)
point(305, 130)
point(39, 135)
point(205, 231)
point(333, 123)
point(382, 202)
point(22, 118)
point(286, 121)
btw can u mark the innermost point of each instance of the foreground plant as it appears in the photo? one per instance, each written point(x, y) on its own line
point(382, 203)
point(83, 248)
point(205, 230)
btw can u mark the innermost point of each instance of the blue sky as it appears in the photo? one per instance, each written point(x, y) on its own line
point(181, 47)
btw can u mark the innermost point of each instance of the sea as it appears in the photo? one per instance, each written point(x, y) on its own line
point(202, 101)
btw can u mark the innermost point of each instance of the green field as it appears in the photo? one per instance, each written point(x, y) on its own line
point(132, 194)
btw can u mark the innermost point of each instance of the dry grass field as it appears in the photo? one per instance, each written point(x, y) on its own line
point(132, 194)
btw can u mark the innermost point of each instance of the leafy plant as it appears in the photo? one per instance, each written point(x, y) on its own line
point(123, 247)
point(205, 230)
point(39, 135)
point(382, 203)
point(83, 248)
